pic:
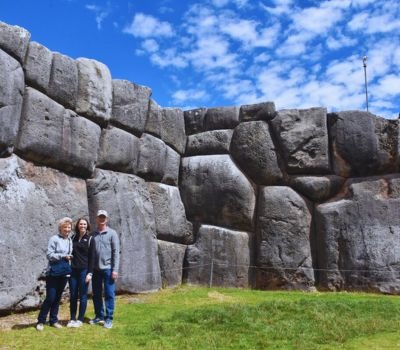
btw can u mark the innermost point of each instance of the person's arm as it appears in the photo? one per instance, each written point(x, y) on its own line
point(90, 260)
point(115, 247)
point(51, 253)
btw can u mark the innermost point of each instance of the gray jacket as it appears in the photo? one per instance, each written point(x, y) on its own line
point(58, 248)
point(105, 254)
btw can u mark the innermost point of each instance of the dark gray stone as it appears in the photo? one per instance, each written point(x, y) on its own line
point(283, 231)
point(253, 149)
point(38, 66)
point(221, 118)
point(119, 150)
point(303, 138)
point(358, 237)
point(220, 257)
point(170, 256)
point(14, 40)
point(32, 200)
point(173, 129)
point(169, 213)
point(94, 90)
point(317, 188)
point(171, 171)
point(363, 144)
point(127, 201)
point(155, 119)
point(194, 120)
point(130, 105)
point(53, 136)
point(260, 111)
point(63, 85)
point(209, 142)
point(215, 191)
point(11, 91)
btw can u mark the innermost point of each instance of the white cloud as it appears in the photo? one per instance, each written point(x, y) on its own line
point(388, 86)
point(100, 13)
point(183, 96)
point(169, 57)
point(150, 45)
point(340, 41)
point(146, 26)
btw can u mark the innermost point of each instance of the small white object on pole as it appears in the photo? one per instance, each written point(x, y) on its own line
point(365, 58)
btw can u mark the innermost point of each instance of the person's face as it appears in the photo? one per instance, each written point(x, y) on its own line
point(65, 229)
point(82, 226)
point(101, 220)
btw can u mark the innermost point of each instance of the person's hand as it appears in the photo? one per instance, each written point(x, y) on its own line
point(88, 278)
point(114, 275)
point(68, 257)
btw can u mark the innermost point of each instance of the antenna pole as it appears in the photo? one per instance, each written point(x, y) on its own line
point(365, 79)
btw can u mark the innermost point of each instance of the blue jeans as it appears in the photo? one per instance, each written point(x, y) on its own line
point(54, 288)
point(103, 278)
point(78, 288)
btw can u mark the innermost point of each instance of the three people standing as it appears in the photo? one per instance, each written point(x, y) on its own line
point(95, 257)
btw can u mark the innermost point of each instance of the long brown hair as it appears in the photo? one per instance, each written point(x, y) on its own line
point(88, 230)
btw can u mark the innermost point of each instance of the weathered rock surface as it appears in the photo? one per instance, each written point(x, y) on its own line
point(317, 188)
point(94, 90)
point(209, 142)
point(32, 200)
point(53, 136)
point(220, 257)
point(283, 231)
point(253, 149)
point(170, 256)
point(157, 162)
point(169, 213)
point(11, 92)
point(130, 105)
point(221, 118)
point(63, 85)
point(38, 66)
point(173, 129)
point(303, 138)
point(359, 237)
point(14, 40)
point(260, 111)
point(119, 150)
point(363, 144)
point(215, 191)
point(194, 120)
point(127, 201)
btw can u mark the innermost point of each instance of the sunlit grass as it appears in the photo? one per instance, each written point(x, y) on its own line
point(202, 318)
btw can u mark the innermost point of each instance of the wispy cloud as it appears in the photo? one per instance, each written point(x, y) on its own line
point(147, 26)
point(100, 12)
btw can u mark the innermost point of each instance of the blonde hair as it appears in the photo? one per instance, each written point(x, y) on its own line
point(63, 221)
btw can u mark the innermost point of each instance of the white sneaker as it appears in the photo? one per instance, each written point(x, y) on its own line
point(71, 324)
point(56, 325)
point(40, 327)
point(77, 324)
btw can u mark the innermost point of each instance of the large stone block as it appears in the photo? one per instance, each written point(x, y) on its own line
point(209, 142)
point(194, 120)
point(53, 136)
point(157, 162)
point(215, 191)
point(63, 85)
point(130, 105)
point(94, 90)
point(154, 119)
point(11, 92)
point(171, 256)
point(221, 118)
point(32, 200)
point(358, 237)
point(303, 139)
point(14, 40)
point(169, 213)
point(283, 232)
point(38, 66)
point(253, 149)
point(119, 150)
point(260, 111)
point(220, 257)
point(127, 201)
point(363, 144)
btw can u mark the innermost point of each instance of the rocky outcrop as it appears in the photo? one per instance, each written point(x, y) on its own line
point(241, 196)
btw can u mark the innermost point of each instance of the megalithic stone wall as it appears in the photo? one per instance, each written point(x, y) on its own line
point(232, 196)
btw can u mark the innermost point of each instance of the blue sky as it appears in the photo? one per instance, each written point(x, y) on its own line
point(212, 53)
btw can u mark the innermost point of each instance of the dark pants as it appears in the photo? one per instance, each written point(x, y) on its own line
point(54, 288)
point(103, 278)
point(78, 288)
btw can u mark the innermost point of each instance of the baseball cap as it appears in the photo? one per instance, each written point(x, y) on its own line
point(102, 212)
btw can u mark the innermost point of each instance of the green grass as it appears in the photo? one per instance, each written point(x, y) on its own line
point(201, 318)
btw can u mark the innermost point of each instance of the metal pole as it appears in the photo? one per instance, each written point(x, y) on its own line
point(365, 78)
point(212, 264)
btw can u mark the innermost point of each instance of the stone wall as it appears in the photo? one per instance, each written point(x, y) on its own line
point(232, 196)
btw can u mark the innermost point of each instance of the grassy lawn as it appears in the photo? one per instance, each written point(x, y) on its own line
point(202, 318)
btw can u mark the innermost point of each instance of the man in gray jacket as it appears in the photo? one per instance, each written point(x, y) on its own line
point(105, 262)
